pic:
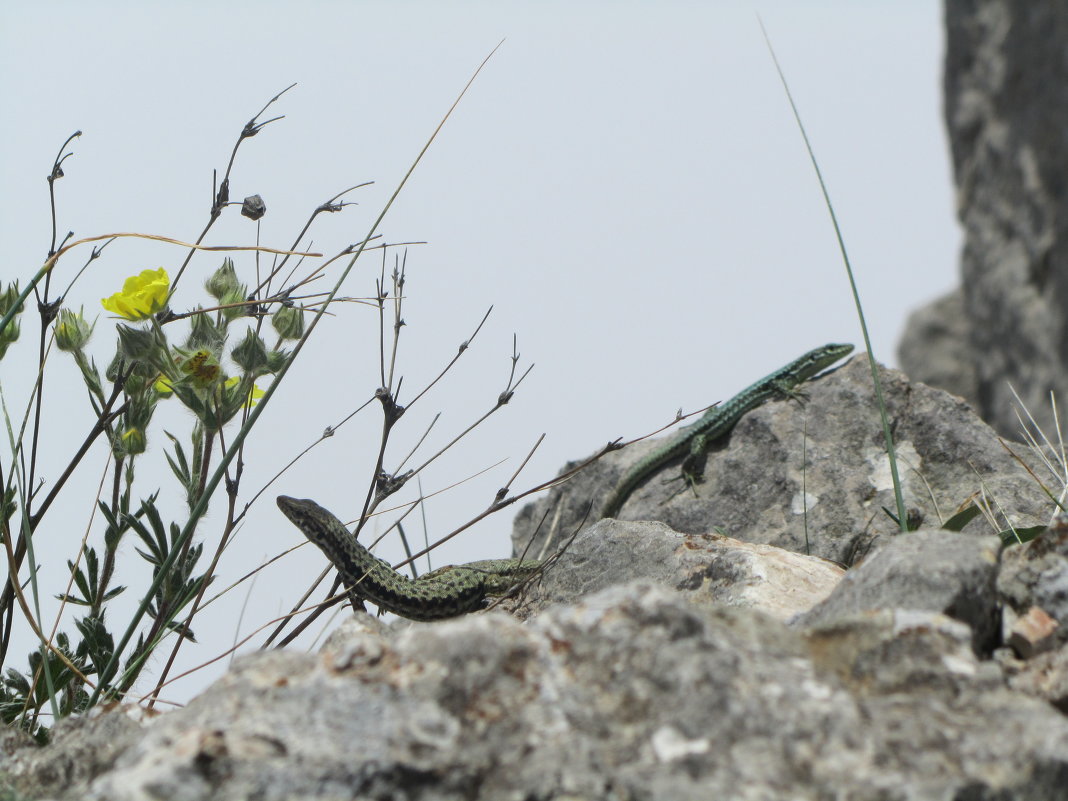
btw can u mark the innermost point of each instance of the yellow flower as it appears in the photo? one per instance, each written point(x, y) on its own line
point(142, 295)
point(254, 394)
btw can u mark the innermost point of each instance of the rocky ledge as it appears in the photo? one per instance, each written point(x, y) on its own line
point(668, 660)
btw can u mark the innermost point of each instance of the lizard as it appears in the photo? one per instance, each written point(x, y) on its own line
point(446, 592)
point(719, 420)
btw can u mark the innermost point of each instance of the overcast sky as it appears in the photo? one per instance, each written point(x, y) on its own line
point(624, 183)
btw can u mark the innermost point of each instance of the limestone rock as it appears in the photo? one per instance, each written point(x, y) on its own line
point(1006, 107)
point(632, 692)
point(82, 749)
point(1045, 677)
point(934, 348)
point(936, 571)
point(814, 478)
point(1035, 575)
point(709, 569)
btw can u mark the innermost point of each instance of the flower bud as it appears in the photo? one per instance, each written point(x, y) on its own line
point(136, 344)
point(251, 354)
point(202, 368)
point(235, 300)
point(130, 442)
point(223, 281)
point(8, 298)
point(72, 330)
point(10, 333)
point(288, 321)
point(204, 333)
point(276, 360)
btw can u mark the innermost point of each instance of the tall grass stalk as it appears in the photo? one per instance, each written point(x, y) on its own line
point(888, 437)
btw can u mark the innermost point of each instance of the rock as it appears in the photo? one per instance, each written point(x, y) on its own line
point(12, 739)
point(1036, 575)
point(1045, 677)
point(900, 650)
point(911, 673)
point(814, 478)
point(1032, 633)
point(82, 748)
point(934, 571)
point(934, 348)
point(633, 692)
point(709, 569)
point(1006, 107)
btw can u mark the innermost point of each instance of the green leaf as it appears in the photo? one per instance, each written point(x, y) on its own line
point(83, 585)
point(962, 518)
point(1017, 536)
point(179, 464)
point(119, 523)
point(17, 683)
point(97, 641)
point(177, 628)
point(192, 399)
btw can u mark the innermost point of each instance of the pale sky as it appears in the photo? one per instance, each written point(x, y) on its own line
point(624, 183)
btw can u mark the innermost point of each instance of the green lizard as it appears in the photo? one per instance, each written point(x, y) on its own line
point(445, 592)
point(719, 420)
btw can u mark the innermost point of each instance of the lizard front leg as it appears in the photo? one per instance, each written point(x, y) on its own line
point(693, 466)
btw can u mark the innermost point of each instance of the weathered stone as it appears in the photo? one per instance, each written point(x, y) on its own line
point(1045, 676)
point(81, 749)
point(1032, 633)
point(1006, 96)
point(709, 569)
point(899, 650)
point(814, 478)
point(934, 348)
point(1036, 575)
point(633, 692)
point(12, 739)
point(682, 688)
point(934, 571)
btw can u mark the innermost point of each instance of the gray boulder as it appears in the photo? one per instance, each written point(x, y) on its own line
point(814, 477)
point(1006, 108)
point(708, 569)
point(633, 692)
point(935, 571)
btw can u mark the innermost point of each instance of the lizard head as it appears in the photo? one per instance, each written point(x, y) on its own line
point(820, 359)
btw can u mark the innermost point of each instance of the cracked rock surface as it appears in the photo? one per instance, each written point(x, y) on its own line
point(659, 662)
point(1002, 334)
point(813, 477)
point(632, 692)
point(675, 685)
